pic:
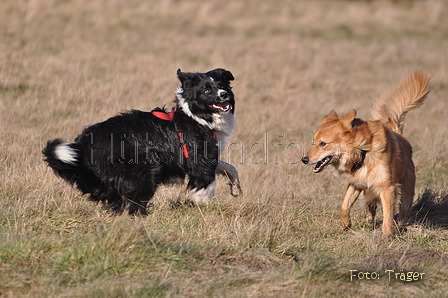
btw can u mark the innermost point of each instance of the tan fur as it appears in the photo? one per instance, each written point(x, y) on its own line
point(373, 155)
point(393, 106)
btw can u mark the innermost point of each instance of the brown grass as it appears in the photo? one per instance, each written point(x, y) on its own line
point(67, 64)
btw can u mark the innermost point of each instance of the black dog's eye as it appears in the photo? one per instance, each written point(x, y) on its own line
point(207, 90)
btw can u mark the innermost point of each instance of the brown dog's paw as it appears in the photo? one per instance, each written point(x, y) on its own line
point(346, 225)
point(345, 220)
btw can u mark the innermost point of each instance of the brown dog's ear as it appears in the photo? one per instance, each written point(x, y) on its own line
point(350, 114)
point(348, 118)
point(330, 117)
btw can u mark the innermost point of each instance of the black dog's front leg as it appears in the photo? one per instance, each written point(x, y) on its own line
point(229, 171)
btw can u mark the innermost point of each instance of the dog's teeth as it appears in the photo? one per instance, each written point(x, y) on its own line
point(223, 108)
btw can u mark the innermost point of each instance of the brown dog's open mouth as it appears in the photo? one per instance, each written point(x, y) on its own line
point(223, 107)
point(321, 164)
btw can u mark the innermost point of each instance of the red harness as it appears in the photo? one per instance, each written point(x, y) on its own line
point(170, 117)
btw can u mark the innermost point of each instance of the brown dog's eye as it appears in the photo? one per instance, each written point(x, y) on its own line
point(322, 144)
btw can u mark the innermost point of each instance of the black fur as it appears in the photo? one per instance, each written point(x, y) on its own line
point(122, 160)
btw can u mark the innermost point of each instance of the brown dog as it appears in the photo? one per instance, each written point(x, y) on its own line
point(373, 155)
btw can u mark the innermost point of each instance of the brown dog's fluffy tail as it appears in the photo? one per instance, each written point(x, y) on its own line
point(393, 106)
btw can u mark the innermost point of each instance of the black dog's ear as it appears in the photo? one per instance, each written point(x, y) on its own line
point(187, 79)
point(182, 76)
point(222, 72)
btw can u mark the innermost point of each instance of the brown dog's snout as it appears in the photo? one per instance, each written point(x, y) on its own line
point(305, 159)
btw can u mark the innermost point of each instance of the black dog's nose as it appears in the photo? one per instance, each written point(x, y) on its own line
point(223, 94)
point(305, 159)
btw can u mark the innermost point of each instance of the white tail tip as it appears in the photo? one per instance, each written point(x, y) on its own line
point(66, 154)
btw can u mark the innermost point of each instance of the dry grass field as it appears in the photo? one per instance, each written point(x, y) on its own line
point(67, 64)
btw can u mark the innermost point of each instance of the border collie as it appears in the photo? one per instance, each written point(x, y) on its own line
point(123, 160)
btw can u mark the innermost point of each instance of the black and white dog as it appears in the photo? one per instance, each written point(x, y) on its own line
point(122, 160)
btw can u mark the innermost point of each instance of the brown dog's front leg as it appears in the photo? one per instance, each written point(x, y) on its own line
point(388, 200)
point(350, 197)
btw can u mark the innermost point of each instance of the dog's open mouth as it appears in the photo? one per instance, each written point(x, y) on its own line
point(321, 164)
point(223, 107)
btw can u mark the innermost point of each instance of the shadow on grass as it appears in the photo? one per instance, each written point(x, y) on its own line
point(430, 209)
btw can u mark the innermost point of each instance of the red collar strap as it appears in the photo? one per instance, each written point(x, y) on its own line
point(169, 116)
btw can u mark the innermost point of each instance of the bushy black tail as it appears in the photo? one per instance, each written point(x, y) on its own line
point(63, 158)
